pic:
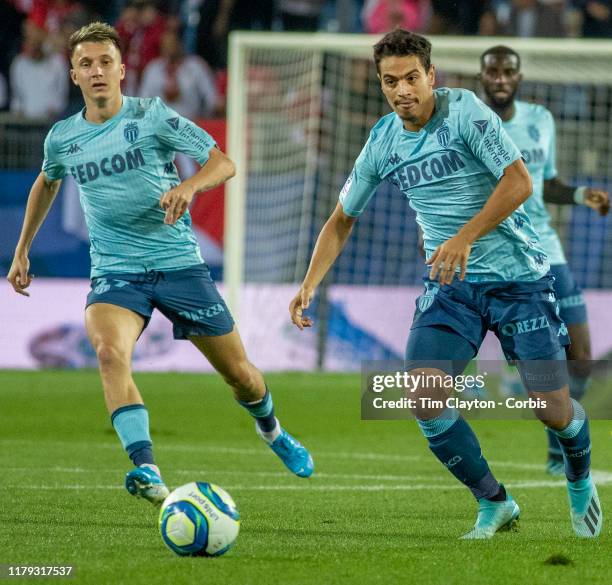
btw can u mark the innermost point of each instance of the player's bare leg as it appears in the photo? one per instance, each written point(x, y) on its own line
point(113, 332)
point(453, 442)
point(227, 355)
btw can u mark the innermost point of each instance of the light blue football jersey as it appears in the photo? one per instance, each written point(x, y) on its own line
point(532, 129)
point(447, 171)
point(122, 168)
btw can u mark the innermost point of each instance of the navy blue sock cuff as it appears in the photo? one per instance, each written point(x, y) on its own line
point(125, 409)
point(131, 449)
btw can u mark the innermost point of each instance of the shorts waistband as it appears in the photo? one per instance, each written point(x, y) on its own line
point(153, 276)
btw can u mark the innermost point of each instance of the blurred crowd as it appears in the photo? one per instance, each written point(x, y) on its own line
point(177, 49)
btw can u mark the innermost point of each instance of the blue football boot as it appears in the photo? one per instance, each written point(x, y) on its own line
point(291, 452)
point(492, 517)
point(144, 482)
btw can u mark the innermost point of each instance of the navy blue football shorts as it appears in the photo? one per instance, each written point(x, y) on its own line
point(187, 297)
point(451, 321)
point(571, 302)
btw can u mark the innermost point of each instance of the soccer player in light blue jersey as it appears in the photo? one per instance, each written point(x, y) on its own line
point(144, 255)
point(451, 158)
point(532, 128)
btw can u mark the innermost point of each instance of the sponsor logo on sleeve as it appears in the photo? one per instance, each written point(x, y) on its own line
point(482, 126)
point(347, 186)
point(173, 123)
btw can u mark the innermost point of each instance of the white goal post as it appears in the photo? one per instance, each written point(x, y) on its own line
point(299, 109)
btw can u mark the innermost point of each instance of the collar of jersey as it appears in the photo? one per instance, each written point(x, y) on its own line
point(429, 123)
point(118, 115)
point(518, 105)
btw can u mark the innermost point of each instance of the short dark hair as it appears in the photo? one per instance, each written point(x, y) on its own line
point(401, 43)
point(501, 50)
point(94, 32)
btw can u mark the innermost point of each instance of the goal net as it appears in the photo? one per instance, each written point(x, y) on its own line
point(300, 110)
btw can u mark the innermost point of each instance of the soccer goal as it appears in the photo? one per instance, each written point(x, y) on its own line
point(300, 108)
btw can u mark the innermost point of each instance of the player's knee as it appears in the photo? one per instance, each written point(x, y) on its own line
point(110, 355)
point(428, 392)
point(241, 376)
point(555, 411)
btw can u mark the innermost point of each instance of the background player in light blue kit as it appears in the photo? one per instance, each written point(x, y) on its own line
point(144, 255)
point(532, 128)
point(451, 158)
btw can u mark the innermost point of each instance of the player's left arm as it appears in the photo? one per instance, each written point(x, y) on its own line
point(555, 191)
point(558, 192)
point(216, 170)
point(513, 189)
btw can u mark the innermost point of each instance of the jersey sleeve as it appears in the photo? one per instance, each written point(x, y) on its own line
point(361, 183)
point(550, 168)
point(52, 167)
point(482, 130)
point(181, 135)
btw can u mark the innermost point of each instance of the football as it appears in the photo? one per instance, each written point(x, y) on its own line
point(199, 519)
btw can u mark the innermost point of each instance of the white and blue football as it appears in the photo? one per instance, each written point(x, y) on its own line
point(199, 519)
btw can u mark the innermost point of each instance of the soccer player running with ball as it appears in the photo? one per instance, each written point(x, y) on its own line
point(451, 158)
point(144, 255)
point(532, 128)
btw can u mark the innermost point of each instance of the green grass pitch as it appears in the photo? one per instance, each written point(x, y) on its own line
point(379, 509)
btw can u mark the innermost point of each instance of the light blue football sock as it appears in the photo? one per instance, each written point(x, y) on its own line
point(131, 424)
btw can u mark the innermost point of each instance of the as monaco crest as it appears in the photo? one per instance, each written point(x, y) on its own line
point(443, 135)
point(130, 132)
point(534, 133)
point(427, 298)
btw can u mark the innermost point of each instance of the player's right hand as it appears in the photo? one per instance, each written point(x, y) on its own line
point(300, 302)
point(18, 275)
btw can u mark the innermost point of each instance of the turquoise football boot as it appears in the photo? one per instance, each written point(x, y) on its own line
point(492, 517)
point(143, 482)
point(585, 507)
point(291, 452)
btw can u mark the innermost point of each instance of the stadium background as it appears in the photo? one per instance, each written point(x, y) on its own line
point(379, 508)
point(365, 306)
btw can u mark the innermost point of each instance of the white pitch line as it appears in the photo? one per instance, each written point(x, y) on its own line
point(322, 454)
point(230, 450)
point(602, 478)
point(210, 472)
